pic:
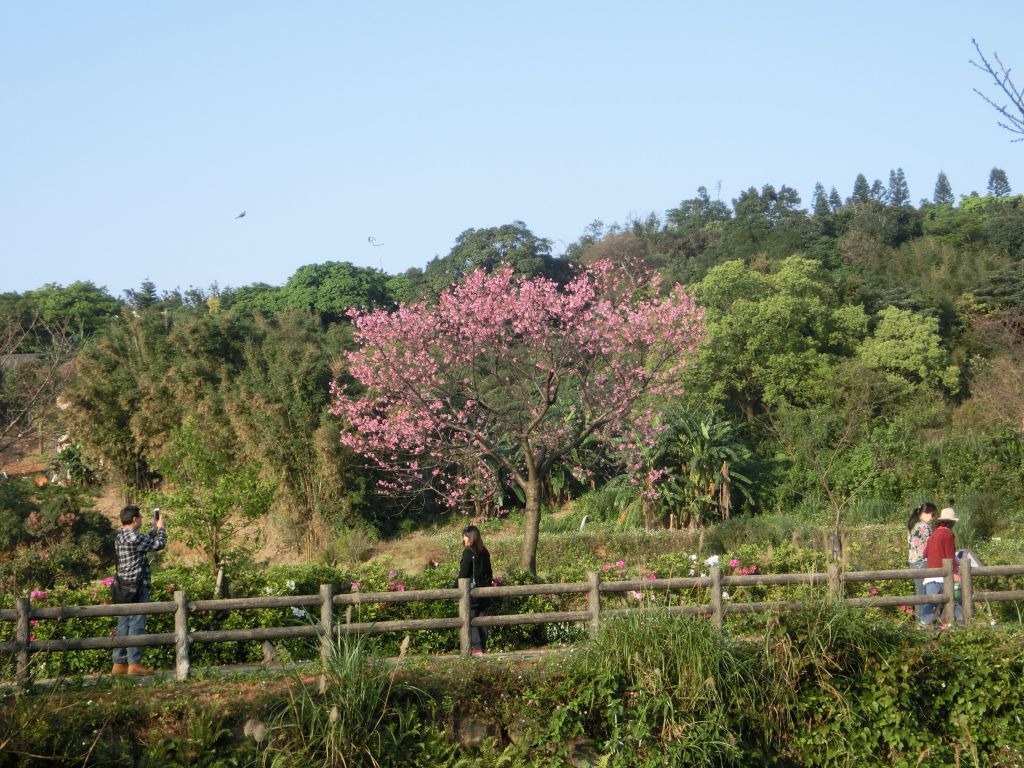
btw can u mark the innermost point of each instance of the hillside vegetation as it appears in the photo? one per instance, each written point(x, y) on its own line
point(857, 355)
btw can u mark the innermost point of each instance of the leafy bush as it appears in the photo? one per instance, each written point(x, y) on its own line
point(47, 535)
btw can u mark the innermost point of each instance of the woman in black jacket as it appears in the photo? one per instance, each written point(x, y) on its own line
point(476, 566)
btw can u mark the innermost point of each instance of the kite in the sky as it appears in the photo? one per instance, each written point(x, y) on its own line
point(241, 215)
point(373, 241)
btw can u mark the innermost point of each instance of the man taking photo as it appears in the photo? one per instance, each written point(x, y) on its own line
point(131, 547)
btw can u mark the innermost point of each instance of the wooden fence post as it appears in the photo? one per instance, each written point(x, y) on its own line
point(21, 639)
point(717, 614)
point(594, 601)
point(948, 610)
point(836, 587)
point(182, 641)
point(326, 622)
point(967, 590)
point(348, 608)
point(326, 631)
point(464, 629)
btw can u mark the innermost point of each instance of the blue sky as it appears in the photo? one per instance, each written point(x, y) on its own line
point(134, 132)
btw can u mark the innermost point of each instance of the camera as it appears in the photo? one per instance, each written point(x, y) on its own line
point(156, 514)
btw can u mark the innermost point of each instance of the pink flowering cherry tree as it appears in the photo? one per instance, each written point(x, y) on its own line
point(505, 376)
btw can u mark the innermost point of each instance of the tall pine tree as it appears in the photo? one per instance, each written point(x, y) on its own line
point(943, 194)
point(899, 191)
point(861, 190)
point(998, 184)
point(821, 206)
point(834, 199)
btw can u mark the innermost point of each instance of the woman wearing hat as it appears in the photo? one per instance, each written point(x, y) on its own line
point(919, 529)
point(941, 546)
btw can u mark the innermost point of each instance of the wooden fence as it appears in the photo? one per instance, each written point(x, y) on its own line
point(328, 627)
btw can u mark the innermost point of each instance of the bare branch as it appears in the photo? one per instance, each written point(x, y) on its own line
point(1000, 74)
point(30, 383)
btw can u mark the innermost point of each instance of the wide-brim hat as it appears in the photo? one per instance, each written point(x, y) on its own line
point(948, 514)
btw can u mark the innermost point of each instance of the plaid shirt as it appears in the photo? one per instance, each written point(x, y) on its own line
point(131, 547)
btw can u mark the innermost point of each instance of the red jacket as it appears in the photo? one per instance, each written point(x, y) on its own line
point(941, 546)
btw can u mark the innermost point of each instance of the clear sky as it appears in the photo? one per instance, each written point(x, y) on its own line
point(133, 133)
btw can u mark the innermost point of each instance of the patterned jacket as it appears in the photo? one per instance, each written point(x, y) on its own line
point(131, 547)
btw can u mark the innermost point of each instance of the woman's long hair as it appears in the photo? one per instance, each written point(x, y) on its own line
point(915, 516)
point(476, 541)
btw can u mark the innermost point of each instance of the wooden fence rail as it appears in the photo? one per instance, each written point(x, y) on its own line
point(717, 608)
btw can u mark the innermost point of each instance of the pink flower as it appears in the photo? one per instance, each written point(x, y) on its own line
point(31, 638)
point(400, 587)
point(606, 567)
point(733, 563)
point(355, 585)
point(34, 622)
point(744, 571)
point(620, 564)
point(107, 581)
point(37, 594)
point(873, 590)
point(636, 595)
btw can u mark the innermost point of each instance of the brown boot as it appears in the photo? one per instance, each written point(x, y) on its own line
point(138, 670)
point(119, 669)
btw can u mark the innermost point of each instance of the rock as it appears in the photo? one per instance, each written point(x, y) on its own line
point(269, 652)
point(471, 729)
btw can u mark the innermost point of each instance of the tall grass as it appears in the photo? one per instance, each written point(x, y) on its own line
point(682, 681)
point(361, 716)
point(705, 697)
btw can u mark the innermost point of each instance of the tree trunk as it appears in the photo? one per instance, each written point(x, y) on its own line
point(531, 532)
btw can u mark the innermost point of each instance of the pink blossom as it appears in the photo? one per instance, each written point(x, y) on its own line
point(37, 594)
point(620, 564)
point(34, 622)
point(636, 595)
point(107, 581)
point(733, 563)
point(570, 361)
point(355, 585)
point(873, 590)
point(606, 567)
point(31, 638)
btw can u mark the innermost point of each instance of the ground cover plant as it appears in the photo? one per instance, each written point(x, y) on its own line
point(826, 687)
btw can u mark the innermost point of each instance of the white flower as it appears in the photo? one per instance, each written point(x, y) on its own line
point(290, 584)
point(712, 562)
point(268, 590)
point(299, 613)
point(693, 558)
point(636, 595)
point(693, 572)
point(725, 595)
